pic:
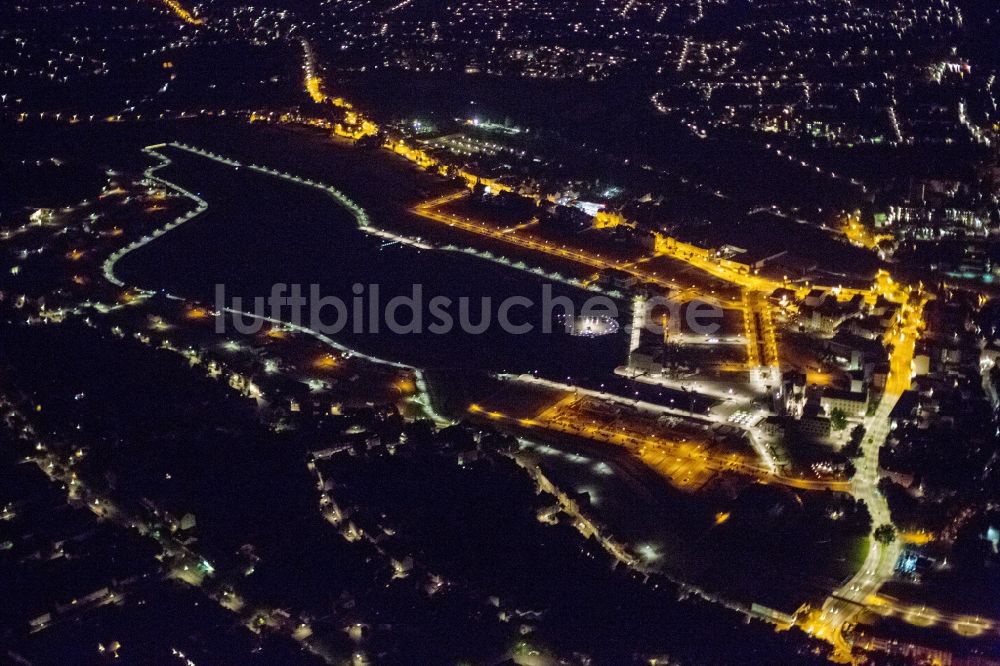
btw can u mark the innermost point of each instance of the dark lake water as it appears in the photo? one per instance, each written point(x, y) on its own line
point(260, 230)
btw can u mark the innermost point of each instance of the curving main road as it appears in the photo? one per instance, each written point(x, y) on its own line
point(847, 601)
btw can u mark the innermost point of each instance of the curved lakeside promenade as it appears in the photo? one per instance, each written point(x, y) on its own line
point(422, 398)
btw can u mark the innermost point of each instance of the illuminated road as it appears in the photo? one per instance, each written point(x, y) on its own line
point(762, 347)
point(182, 13)
point(707, 261)
point(861, 590)
point(858, 234)
point(644, 445)
point(846, 602)
point(967, 626)
point(354, 126)
point(758, 324)
point(312, 81)
point(731, 398)
point(430, 210)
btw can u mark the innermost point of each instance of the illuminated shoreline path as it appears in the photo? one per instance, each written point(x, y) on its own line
point(762, 350)
point(421, 399)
